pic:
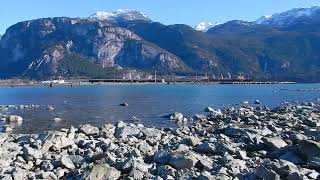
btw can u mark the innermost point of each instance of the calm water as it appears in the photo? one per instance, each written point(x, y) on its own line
point(100, 104)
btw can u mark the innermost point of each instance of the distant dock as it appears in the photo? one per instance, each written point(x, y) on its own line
point(188, 80)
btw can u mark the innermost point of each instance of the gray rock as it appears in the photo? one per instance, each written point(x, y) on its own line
point(177, 116)
point(315, 162)
point(103, 172)
point(267, 174)
point(193, 141)
point(124, 104)
point(199, 117)
point(183, 160)
point(296, 176)
point(309, 149)
point(14, 118)
point(274, 143)
point(50, 108)
point(313, 175)
point(89, 130)
point(236, 166)
point(257, 102)
point(126, 131)
point(165, 171)
point(241, 154)
point(18, 174)
point(206, 148)
point(162, 157)
point(284, 168)
point(209, 109)
point(7, 129)
point(31, 153)
point(66, 162)
point(48, 176)
point(3, 138)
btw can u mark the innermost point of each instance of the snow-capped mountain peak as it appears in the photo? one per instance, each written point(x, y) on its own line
point(205, 26)
point(120, 14)
point(288, 17)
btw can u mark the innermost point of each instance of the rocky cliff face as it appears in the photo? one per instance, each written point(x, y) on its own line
point(39, 45)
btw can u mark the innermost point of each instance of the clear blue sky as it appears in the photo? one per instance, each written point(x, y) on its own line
point(188, 12)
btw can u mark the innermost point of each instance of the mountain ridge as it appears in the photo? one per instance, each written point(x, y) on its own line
point(37, 48)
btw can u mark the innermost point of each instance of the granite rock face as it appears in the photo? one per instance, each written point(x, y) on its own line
point(37, 47)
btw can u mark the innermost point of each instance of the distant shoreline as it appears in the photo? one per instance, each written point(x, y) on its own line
point(10, 83)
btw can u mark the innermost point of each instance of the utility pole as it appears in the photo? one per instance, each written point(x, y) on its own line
point(114, 75)
point(171, 77)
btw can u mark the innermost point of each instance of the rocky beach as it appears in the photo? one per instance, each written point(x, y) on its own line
point(233, 143)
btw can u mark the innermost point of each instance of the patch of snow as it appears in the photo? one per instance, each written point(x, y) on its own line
point(288, 17)
point(120, 14)
point(205, 26)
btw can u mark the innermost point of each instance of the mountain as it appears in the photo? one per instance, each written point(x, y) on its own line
point(285, 50)
point(205, 26)
point(290, 17)
point(39, 48)
point(95, 46)
point(120, 15)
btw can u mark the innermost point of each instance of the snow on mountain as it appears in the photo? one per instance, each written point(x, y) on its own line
point(288, 17)
point(205, 26)
point(120, 14)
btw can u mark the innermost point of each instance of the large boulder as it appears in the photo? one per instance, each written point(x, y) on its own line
point(102, 172)
point(89, 130)
point(31, 153)
point(274, 143)
point(266, 174)
point(127, 131)
point(309, 149)
point(181, 160)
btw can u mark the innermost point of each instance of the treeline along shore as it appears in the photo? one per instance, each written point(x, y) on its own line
point(233, 143)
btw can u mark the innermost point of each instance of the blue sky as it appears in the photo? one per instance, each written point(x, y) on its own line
point(188, 12)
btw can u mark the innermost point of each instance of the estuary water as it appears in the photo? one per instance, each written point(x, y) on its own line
point(98, 105)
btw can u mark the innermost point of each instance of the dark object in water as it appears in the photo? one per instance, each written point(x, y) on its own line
point(124, 104)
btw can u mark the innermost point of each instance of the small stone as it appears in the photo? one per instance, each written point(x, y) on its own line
point(124, 104)
point(183, 160)
point(50, 108)
point(57, 119)
point(30, 153)
point(7, 129)
point(257, 102)
point(274, 143)
point(209, 109)
point(66, 162)
point(14, 118)
point(177, 116)
point(241, 154)
point(296, 176)
point(207, 148)
point(102, 171)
